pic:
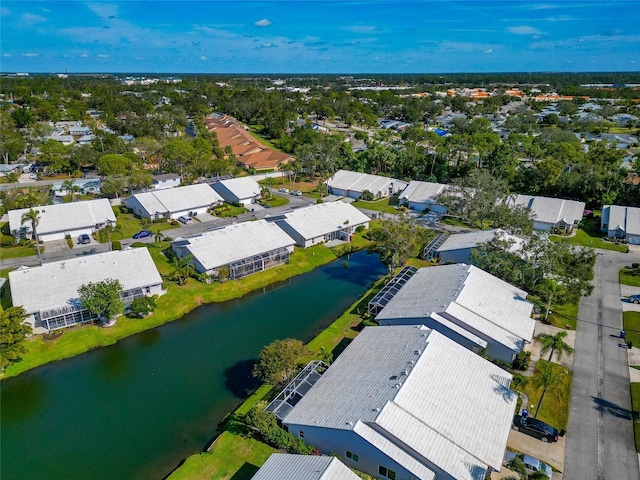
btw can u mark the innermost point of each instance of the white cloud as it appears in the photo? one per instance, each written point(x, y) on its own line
point(202, 57)
point(103, 55)
point(525, 30)
point(361, 28)
point(84, 55)
point(28, 19)
point(489, 50)
point(7, 55)
point(103, 10)
point(265, 22)
point(5, 12)
point(268, 45)
point(28, 54)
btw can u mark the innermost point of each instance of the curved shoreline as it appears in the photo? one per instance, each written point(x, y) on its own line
point(177, 302)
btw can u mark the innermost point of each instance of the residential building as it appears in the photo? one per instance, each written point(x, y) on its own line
point(165, 180)
point(621, 222)
point(353, 184)
point(49, 293)
point(551, 214)
point(285, 466)
point(57, 221)
point(248, 151)
point(242, 190)
point(468, 305)
point(84, 186)
point(457, 248)
point(322, 223)
point(405, 403)
point(6, 169)
point(423, 196)
point(246, 248)
point(173, 203)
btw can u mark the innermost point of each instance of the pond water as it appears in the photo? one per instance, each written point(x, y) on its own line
point(136, 409)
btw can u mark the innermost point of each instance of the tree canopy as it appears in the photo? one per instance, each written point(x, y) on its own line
point(278, 361)
point(102, 298)
point(13, 332)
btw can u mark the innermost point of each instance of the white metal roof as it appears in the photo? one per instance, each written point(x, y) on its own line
point(550, 210)
point(625, 218)
point(236, 242)
point(56, 284)
point(317, 220)
point(359, 182)
point(422, 192)
point(66, 216)
point(178, 199)
point(242, 187)
point(285, 466)
point(471, 296)
point(416, 386)
point(462, 241)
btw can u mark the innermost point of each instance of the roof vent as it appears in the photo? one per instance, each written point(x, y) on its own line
point(377, 409)
point(349, 423)
point(417, 352)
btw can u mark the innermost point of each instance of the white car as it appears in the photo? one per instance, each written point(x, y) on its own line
point(284, 190)
point(531, 464)
point(297, 193)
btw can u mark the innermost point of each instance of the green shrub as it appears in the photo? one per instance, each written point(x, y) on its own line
point(360, 228)
point(367, 196)
point(319, 200)
point(138, 244)
point(116, 245)
point(69, 241)
point(160, 220)
point(143, 306)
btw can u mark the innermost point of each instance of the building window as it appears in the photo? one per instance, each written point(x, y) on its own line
point(387, 473)
point(301, 434)
point(352, 456)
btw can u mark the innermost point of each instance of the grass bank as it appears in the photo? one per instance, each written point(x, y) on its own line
point(635, 407)
point(555, 406)
point(177, 302)
point(631, 325)
point(234, 455)
point(387, 205)
point(630, 276)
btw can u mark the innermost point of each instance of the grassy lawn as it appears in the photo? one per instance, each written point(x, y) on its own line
point(630, 276)
point(387, 205)
point(635, 406)
point(128, 225)
point(277, 201)
point(232, 456)
point(228, 210)
point(174, 304)
point(564, 315)
point(631, 325)
point(16, 252)
point(589, 235)
point(555, 406)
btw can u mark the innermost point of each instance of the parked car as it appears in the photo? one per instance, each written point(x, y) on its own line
point(634, 298)
point(284, 190)
point(143, 234)
point(531, 464)
point(186, 220)
point(535, 428)
point(84, 239)
point(297, 193)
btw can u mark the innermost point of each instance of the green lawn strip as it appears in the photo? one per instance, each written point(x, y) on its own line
point(177, 302)
point(128, 225)
point(232, 456)
point(584, 239)
point(564, 315)
point(630, 276)
point(228, 210)
point(277, 201)
point(555, 406)
point(635, 406)
point(387, 205)
point(313, 194)
point(631, 322)
point(17, 252)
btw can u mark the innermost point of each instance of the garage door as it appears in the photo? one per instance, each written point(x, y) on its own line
point(52, 236)
point(76, 233)
point(633, 239)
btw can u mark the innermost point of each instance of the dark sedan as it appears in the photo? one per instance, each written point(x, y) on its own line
point(535, 428)
point(143, 234)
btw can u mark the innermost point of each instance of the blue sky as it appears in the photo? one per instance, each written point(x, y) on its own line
point(237, 36)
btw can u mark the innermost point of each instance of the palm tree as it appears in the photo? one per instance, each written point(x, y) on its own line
point(182, 268)
point(158, 237)
point(517, 465)
point(554, 344)
point(33, 217)
point(72, 188)
point(547, 379)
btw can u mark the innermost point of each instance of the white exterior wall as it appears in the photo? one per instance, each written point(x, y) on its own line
point(633, 239)
point(51, 237)
point(333, 441)
point(186, 213)
point(161, 185)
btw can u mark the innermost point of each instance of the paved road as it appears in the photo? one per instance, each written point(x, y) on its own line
point(184, 230)
point(600, 442)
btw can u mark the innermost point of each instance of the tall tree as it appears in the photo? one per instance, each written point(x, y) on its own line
point(397, 239)
point(71, 188)
point(33, 216)
point(13, 332)
point(554, 344)
point(549, 380)
point(102, 298)
point(278, 361)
